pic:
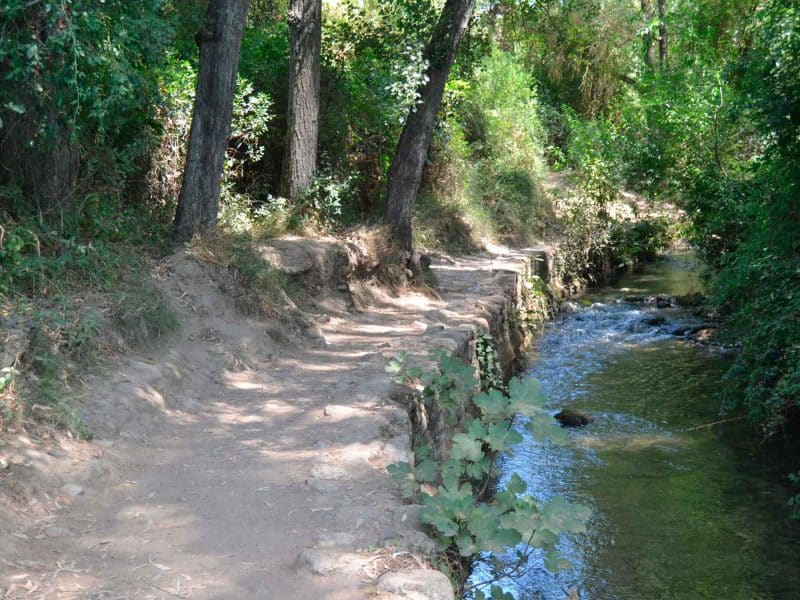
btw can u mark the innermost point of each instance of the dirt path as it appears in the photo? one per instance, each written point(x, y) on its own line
point(228, 467)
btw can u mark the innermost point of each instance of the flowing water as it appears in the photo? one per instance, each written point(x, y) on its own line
point(676, 513)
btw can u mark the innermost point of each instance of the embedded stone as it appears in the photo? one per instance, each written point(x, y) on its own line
point(418, 584)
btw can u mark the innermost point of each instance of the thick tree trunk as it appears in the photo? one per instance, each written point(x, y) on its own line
point(300, 153)
point(649, 39)
point(220, 41)
point(405, 174)
point(662, 33)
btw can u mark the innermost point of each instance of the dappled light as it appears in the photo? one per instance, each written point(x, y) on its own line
point(270, 271)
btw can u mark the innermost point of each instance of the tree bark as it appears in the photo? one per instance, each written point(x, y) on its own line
point(405, 173)
point(302, 131)
point(649, 40)
point(220, 41)
point(662, 33)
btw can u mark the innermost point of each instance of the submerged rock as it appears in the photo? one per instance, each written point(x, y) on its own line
point(663, 301)
point(654, 320)
point(570, 417)
point(692, 300)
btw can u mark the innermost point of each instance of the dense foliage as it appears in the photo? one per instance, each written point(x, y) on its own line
point(715, 129)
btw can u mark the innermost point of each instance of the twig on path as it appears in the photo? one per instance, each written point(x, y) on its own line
point(708, 425)
point(165, 590)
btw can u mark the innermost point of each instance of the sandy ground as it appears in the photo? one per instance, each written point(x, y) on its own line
point(227, 465)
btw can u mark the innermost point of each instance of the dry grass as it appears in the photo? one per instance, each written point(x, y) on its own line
point(263, 287)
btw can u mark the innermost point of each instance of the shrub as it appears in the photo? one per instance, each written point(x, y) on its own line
point(464, 519)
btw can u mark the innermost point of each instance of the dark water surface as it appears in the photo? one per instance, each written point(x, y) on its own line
point(676, 513)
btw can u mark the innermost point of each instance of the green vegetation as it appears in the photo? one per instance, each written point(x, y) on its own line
point(549, 111)
point(75, 293)
point(466, 517)
point(711, 127)
point(263, 286)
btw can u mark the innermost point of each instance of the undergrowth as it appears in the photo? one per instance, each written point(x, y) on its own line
point(73, 292)
point(465, 516)
point(263, 287)
point(483, 182)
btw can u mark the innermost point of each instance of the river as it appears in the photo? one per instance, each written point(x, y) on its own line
point(677, 512)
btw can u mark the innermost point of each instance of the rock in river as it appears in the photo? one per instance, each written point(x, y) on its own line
point(569, 417)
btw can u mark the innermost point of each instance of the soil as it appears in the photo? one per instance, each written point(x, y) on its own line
point(239, 460)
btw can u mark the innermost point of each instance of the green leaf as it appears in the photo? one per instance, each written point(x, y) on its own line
point(558, 515)
point(394, 367)
point(478, 470)
point(504, 538)
point(493, 403)
point(554, 562)
point(543, 538)
point(466, 447)
point(497, 593)
point(543, 427)
point(427, 470)
point(403, 475)
point(527, 397)
point(399, 470)
point(501, 438)
point(443, 525)
point(467, 546)
point(516, 485)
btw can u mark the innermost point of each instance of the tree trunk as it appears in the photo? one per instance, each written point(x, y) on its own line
point(220, 41)
point(662, 33)
point(302, 131)
point(405, 174)
point(649, 40)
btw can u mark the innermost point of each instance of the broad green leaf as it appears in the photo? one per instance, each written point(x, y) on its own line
point(443, 525)
point(497, 593)
point(543, 538)
point(493, 403)
point(466, 447)
point(394, 367)
point(503, 538)
point(452, 471)
point(399, 471)
point(427, 470)
point(527, 397)
point(544, 427)
point(554, 562)
point(559, 515)
point(501, 438)
point(516, 485)
point(478, 470)
point(403, 475)
point(467, 546)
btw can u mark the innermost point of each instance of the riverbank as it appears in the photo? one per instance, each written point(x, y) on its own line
point(232, 463)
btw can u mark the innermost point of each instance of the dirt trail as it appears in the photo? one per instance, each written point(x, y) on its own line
point(227, 466)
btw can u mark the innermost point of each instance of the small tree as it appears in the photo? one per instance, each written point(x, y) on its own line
point(405, 173)
point(220, 41)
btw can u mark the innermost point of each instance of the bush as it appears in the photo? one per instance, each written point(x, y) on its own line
point(499, 115)
point(487, 162)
